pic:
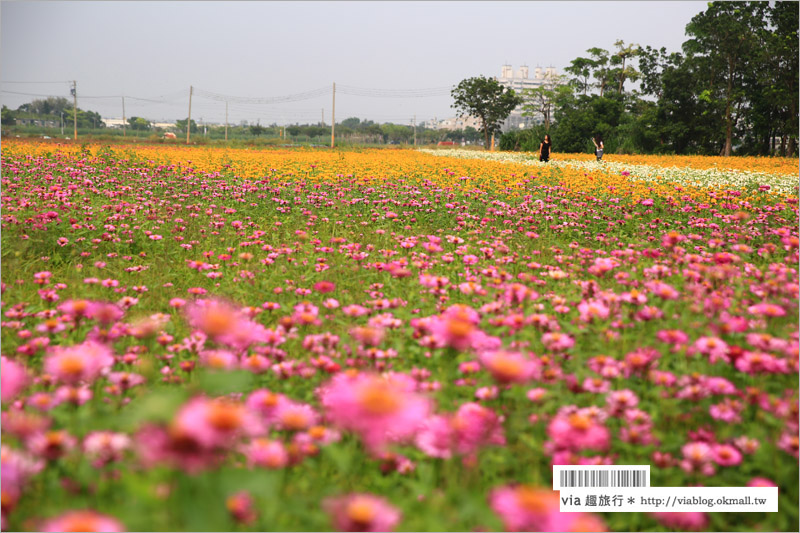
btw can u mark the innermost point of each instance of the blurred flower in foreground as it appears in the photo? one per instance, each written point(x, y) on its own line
point(82, 521)
point(361, 512)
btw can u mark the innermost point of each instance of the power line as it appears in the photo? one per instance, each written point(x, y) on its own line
point(265, 100)
point(34, 82)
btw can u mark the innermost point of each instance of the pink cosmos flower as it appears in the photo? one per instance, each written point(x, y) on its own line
point(437, 437)
point(761, 482)
point(104, 447)
point(218, 359)
point(381, 409)
point(13, 379)
point(683, 521)
point(51, 445)
point(266, 453)
point(323, 287)
point(578, 431)
point(476, 426)
point(767, 309)
point(726, 455)
point(509, 367)
point(82, 521)
point(240, 506)
point(557, 342)
point(216, 423)
point(294, 416)
point(526, 508)
point(620, 400)
point(593, 309)
point(79, 363)
point(362, 512)
point(104, 312)
point(224, 323)
point(697, 456)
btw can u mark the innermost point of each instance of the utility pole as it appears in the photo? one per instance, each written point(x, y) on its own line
point(333, 114)
point(323, 117)
point(226, 121)
point(123, 116)
point(62, 124)
point(415, 130)
point(75, 108)
point(189, 120)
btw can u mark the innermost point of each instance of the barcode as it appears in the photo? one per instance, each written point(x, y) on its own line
point(603, 478)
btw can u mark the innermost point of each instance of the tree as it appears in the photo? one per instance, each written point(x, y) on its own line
point(723, 39)
point(486, 99)
point(181, 125)
point(600, 68)
point(257, 129)
point(622, 55)
point(7, 118)
point(352, 122)
point(52, 105)
point(138, 123)
point(782, 46)
point(581, 68)
point(540, 101)
point(86, 119)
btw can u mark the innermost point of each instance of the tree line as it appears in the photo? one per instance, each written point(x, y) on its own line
point(733, 89)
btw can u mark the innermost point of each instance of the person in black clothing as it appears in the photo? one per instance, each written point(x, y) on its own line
point(544, 149)
point(598, 147)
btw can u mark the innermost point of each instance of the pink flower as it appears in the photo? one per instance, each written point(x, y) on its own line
point(240, 506)
point(767, 309)
point(79, 363)
point(726, 455)
point(82, 521)
point(557, 341)
point(592, 309)
point(13, 379)
point(105, 446)
point(218, 359)
point(224, 323)
point(293, 416)
point(697, 455)
point(362, 512)
point(578, 431)
point(266, 453)
point(105, 313)
point(509, 367)
point(526, 508)
point(381, 409)
point(323, 287)
point(683, 521)
point(761, 482)
point(437, 437)
point(476, 426)
point(216, 423)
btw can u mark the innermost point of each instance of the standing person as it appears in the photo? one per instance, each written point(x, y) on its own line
point(598, 146)
point(545, 148)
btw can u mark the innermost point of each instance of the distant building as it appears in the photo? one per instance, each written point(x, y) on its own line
point(519, 81)
point(114, 122)
point(454, 123)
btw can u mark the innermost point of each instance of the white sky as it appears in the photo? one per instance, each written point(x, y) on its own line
point(154, 50)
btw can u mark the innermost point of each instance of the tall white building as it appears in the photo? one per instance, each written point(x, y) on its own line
point(518, 81)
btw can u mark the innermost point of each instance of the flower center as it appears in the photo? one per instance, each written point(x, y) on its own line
point(360, 511)
point(71, 365)
point(377, 398)
point(579, 422)
point(224, 417)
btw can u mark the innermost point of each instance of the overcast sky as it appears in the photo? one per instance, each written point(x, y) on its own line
point(156, 50)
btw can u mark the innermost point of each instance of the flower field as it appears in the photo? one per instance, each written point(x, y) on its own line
point(372, 340)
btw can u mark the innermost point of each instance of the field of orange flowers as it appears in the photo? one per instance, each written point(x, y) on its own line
point(214, 339)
